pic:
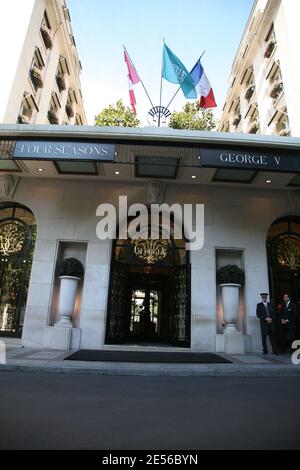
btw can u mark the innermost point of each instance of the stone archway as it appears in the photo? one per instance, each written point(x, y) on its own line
point(283, 253)
point(149, 293)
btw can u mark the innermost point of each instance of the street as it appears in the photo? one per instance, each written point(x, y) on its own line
point(70, 411)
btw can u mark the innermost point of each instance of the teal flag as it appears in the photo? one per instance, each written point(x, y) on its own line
point(175, 72)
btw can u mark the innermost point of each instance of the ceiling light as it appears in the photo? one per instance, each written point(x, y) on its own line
point(268, 181)
point(40, 169)
point(194, 177)
point(117, 172)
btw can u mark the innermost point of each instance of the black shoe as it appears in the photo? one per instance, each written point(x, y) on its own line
point(265, 352)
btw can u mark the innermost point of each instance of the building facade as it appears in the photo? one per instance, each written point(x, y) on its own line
point(263, 95)
point(41, 83)
point(247, 186)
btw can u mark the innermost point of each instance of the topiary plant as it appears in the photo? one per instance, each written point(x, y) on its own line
point(230, 274)
point(71, 267)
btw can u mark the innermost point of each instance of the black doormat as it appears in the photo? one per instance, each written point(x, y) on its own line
point(147, 356)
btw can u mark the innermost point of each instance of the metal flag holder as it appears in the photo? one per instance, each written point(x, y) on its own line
point(159, 114)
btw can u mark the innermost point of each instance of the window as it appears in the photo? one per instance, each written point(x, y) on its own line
point(63, 66)
point(46, 31)
point(233, 175)
point(73, 168)
point(283, 125)
point(38, 59)
point(53, 109)
point(225, 127)
point(72, 96)
point(27, 108)
point(156, 167)
point(78, 120)
point(253, 121)
point(45, 21)
point(270, 43)
point(69, 108)
point(35, 73)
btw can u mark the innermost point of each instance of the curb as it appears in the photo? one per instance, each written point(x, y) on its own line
point(234, 373)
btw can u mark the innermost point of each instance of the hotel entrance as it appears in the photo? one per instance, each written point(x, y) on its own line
point(149, 319)
point(149, 294)
point(283, 250)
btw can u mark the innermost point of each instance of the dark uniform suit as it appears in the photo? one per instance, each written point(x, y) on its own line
point(267, 329)
point(288, 330)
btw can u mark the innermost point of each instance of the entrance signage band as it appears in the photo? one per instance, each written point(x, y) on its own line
point(249, 160)
point(75, 151)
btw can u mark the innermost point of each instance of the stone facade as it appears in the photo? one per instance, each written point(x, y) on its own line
point(236, 224)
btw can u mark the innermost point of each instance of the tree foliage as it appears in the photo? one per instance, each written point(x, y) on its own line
point(117, 115)
point(194, 118)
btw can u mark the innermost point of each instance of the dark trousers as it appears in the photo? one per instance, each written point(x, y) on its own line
point(268, 331)
point(287, 337)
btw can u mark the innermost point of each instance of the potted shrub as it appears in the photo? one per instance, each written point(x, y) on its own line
point(276, 90)
point(254, 128)
point(53, 119)
point(69, 111)
point(236, 120)
point(284, 133)
point(230, 279)
point(270, 47)
point(249, 92)
point(46, 38)
point(22, 119)
point(61, 83)
point(36, 78)
point(70, 272)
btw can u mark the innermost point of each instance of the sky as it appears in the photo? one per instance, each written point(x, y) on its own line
point(189, 27)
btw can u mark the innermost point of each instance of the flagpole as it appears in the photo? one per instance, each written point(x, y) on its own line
point(161, 78)
point(140, 80)
point(179, 87)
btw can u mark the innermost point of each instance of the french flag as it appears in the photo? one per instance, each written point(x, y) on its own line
point(203, 87)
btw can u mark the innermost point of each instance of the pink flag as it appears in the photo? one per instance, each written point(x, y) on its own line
point(132, 73)
point(131, 96)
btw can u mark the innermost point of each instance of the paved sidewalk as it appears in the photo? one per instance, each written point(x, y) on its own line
point(46, 360)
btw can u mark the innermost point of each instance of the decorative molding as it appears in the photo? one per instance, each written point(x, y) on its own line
point(8, 184)
point(155, 192)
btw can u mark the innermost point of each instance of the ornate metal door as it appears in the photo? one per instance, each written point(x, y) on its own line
point(118, 304)
point(16, 249)
point(181, 305)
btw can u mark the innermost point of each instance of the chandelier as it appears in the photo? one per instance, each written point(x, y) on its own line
point(288, 253)
point(150, 250)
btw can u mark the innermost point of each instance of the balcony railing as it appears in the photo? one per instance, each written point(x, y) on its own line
point(23, 119)
point(69, 111)
point(254, 127)
point(36, 78)
point(237, 120)
point(52, 117)
point(61, 83)
point(270, 48)
point(46, 38)
point(249, 92)
point(276, 90)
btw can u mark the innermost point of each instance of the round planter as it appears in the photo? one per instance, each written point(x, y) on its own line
point(230, 300)
point(67, 297)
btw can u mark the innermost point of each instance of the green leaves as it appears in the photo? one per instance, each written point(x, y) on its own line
point(230, 274)
point(193, 118)
point(117, 115)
